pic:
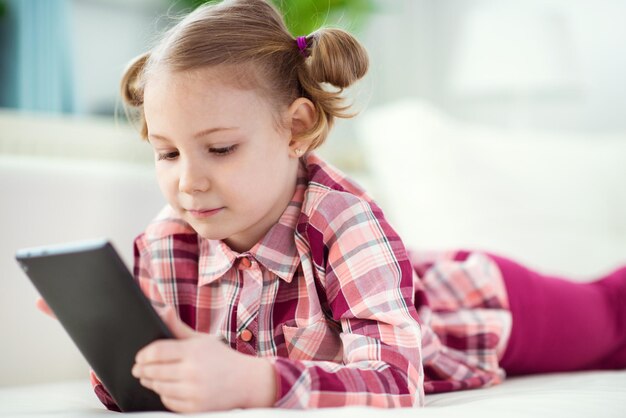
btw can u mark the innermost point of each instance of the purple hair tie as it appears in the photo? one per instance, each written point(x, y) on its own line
point(301, 41)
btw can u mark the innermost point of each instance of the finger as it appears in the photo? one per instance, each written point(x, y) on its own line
point(164, 371)
point(176, 325)
point(161, 351)
point(43, 307)
point(179, 405)
point(173, 390)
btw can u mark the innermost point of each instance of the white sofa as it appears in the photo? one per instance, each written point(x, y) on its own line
point(555, 201)
point(61, 180)
point(65, 179)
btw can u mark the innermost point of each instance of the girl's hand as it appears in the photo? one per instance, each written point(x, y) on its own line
point(43, 307)
point(197, 372)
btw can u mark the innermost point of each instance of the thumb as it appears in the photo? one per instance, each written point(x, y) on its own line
point(175, 325)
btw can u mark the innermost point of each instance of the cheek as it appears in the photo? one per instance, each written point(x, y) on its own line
point(248, 186)
point(238, 188)
point(168, 183)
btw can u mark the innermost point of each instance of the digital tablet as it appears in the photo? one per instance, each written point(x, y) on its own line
point(98, 302)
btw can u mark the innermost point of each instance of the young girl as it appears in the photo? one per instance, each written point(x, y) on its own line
point(281, 278)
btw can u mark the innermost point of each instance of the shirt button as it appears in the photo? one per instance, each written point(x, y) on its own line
point(246, 335)
point(245, 262)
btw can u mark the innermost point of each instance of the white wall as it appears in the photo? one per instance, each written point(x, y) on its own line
point(413, 44)
point(106, 35)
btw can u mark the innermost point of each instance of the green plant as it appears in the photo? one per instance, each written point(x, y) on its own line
point(304, 16)
point(3, 8)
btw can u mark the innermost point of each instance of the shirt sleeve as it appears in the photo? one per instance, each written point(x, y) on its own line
point(367, 280)
point(103, 395)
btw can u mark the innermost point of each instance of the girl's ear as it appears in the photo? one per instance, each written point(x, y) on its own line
point(302, 115)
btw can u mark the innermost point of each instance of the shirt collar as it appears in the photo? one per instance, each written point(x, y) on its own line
point(276, 251)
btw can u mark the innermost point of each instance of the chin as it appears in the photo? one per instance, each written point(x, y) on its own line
point(209, 233)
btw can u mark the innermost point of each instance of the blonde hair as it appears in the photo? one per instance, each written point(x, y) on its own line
point(250, 35)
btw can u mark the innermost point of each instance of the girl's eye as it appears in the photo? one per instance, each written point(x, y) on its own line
point(167, 156)
point(221, 152)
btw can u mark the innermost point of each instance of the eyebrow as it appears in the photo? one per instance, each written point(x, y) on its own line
point(204, 132)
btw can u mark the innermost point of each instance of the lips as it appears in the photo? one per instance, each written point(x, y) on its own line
point(203, 213)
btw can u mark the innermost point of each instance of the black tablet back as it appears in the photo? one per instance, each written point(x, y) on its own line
point(96, 299)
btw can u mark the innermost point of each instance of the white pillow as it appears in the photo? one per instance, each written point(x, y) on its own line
point(556, 202)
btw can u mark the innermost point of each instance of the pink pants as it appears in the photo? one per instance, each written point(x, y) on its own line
point(560, 325)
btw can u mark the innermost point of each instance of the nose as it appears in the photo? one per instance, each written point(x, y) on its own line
point(193, 177)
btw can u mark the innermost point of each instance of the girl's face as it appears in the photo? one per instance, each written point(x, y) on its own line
point(221, 160)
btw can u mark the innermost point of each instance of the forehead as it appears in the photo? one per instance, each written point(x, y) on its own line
point(193, 84)
point(196, 90)
point(214, 90)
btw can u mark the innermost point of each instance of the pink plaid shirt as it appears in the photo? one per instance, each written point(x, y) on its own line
point(331, 296)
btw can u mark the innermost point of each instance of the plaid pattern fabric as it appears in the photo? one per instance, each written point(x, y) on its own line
point(332, 297)
point(467, 321)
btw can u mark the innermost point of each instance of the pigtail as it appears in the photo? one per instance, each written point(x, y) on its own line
point(131, 89)
point(331, 57)
point(337, 58)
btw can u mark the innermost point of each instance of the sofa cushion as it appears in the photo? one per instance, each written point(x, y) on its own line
point(554, 201)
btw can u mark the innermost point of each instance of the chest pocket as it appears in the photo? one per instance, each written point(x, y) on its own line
point(319, 341)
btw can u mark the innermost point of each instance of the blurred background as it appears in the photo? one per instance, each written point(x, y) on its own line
point(494, 124)
point(550, 63)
